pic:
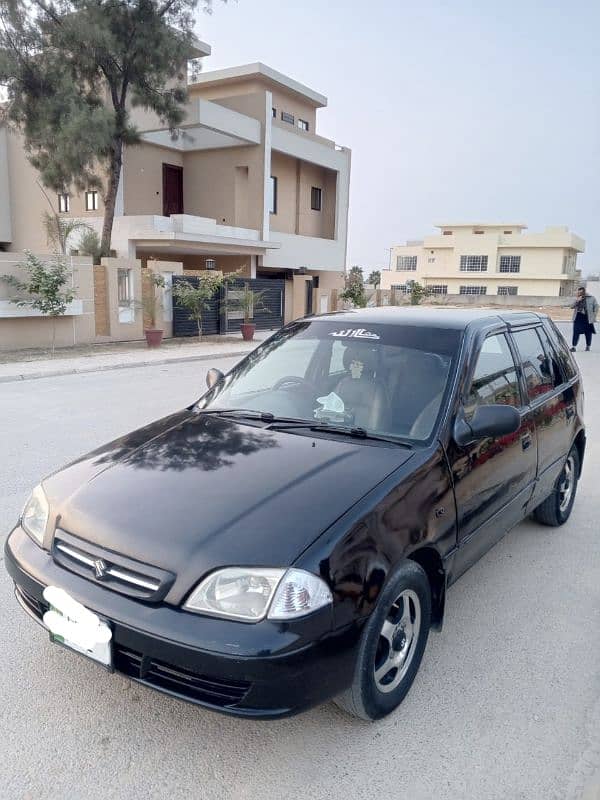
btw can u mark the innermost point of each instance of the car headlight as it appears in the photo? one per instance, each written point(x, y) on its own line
point(34, 518)
point(254, 593)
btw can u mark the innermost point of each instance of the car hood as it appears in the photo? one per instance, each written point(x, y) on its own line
point(193, 492)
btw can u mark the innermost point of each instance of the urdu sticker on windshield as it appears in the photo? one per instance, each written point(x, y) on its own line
point(354, 333)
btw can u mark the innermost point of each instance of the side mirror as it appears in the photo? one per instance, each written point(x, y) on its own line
point(213, 376)
point(492, 420)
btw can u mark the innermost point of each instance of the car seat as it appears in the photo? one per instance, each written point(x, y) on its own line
point(364, 394)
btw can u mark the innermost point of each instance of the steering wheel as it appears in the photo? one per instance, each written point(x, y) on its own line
point(288, 381)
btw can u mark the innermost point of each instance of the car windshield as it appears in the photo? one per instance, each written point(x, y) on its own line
point(388, 380)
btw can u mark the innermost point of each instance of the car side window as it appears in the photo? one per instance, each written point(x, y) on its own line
point(495, 379)
point(562, 351)
point(552, 363)
point(536, 364)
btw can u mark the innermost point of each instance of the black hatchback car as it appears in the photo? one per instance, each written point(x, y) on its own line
point(289, 538)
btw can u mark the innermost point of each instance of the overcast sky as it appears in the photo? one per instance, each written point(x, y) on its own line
point(462, 111)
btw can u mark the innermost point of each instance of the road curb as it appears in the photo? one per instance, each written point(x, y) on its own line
point(107, 367)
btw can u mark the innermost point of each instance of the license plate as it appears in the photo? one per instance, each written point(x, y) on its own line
point(76, 627)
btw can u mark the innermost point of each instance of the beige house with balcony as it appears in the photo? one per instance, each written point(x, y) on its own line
point(244, 183)
point(489, 259)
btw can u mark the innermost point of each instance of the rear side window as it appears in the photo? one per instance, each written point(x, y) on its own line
point(552, 363)
point(495, 379)
point(562, 350)
point(536, 364)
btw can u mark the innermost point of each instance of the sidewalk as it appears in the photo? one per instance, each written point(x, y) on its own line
point(32, 364)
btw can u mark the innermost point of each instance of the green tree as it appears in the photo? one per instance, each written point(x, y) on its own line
point(354, 291)
point(374, 278)
point(46, 288)
point(60, 229)
point(89, 245)
point(196, 298)
point(74, 69)
point(417, 293)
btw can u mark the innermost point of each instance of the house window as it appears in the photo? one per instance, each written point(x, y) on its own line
point(64, 203)
point(303, 124)
point(510, 264)
point(403, 288)
point(287, 117)
point(91, 201)
point(570, 262)
point(273, 194)
point(210, 263)
point(316, 196)
point(507, 233)
point(406, 263)
point(125, 295)
point(438, 288)
point(447, 233)
point(473, 263)
point(274, 110)
point(472, 290)
point(508, 290)
point(478, 233)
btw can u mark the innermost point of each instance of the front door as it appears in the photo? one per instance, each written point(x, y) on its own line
point(172, 190)
point(493, 477)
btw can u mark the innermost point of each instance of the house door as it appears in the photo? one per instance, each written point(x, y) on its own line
point(309, 298)
point(172, 190)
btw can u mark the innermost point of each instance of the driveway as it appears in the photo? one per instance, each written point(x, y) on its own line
point(506, 705)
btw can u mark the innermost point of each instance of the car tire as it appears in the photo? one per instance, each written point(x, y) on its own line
point(399, 625)
point(556, 508)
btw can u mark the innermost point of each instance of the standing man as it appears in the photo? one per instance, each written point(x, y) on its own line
point(585, 309)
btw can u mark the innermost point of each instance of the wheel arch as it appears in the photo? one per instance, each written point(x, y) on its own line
point(432, 564)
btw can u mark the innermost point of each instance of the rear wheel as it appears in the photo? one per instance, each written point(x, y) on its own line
point(392, 645)
point(556, 508)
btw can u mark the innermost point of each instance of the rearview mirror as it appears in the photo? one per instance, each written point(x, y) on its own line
point(492, 420)
point(213, 376)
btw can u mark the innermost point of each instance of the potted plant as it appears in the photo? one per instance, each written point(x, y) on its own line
point(150, 302)
point(249, 301)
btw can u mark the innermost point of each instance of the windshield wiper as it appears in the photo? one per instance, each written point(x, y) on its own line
point(246, 413)
point(355, 432)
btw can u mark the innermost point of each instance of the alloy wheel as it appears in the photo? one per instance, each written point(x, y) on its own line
point(397, 641)
point(566, 484)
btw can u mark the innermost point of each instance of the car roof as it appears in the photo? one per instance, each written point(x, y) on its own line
point(443, 318)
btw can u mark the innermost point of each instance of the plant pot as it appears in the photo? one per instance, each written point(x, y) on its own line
point(153, 337)
point(248, 329)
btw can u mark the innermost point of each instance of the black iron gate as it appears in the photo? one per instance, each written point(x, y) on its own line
point(219, 318)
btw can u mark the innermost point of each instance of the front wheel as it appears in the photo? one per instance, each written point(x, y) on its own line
point(556, 508)
point(391, 646)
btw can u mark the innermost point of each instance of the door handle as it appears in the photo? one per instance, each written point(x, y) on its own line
point(526, 441)
point(570, 412)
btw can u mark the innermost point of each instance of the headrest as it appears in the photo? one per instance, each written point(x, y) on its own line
point(365, 354)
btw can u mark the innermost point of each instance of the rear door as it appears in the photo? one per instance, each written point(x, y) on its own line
point(552, 402)
point(493, 477)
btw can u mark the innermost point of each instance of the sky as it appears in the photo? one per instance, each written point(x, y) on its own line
point(454, 112)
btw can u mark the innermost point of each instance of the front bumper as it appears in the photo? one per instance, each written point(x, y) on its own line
point(263, 670)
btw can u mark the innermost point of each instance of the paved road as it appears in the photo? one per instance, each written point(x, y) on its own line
point(507, 703)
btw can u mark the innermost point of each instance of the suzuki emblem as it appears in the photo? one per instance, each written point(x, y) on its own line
point(100, 568)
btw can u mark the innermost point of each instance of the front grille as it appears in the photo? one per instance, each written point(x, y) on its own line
point(179, 681)
point(114, 571)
